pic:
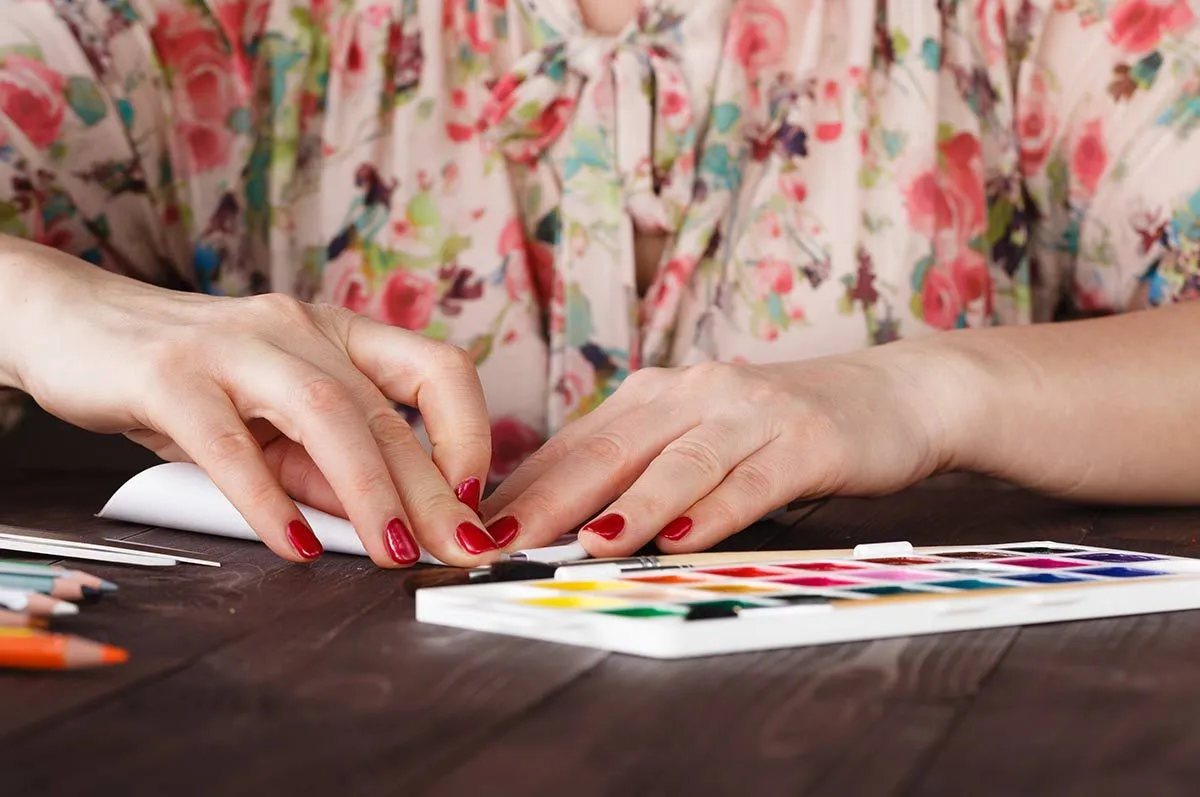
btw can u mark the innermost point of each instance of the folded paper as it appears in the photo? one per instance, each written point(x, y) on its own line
point(179, 495)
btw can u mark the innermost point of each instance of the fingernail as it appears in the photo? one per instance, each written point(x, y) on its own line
point(473, 539)
point(677, 529)
point(303, 541)
point(504, 530)
point(607, 526)
point(400, 543)
point(468, 493)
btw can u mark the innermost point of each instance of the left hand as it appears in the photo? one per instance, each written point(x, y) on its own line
point(689, 456)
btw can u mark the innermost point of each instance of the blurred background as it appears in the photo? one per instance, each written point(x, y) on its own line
point(43, 441)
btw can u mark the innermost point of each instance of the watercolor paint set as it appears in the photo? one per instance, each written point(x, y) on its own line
point(816, 598)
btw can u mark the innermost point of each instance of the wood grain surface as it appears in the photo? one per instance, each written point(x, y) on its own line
point(264, 678)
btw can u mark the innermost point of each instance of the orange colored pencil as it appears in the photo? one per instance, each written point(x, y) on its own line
point(25, 649)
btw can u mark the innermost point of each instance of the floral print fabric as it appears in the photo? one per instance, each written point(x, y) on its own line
point(829, 174)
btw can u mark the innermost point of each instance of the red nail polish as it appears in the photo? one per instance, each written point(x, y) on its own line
point(473, 539)
point(504, 530)
point(677, 529)
point(400, 543)
point(607, 526)
point(303, 541)
point(468, 493)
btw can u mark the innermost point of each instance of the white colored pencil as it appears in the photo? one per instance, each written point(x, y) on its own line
point(19, 600)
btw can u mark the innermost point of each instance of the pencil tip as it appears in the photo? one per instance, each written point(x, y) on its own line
point(113, 655)
point(63, 608)
point(107, 586)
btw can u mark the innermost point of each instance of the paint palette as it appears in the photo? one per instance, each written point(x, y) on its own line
point(757, 605)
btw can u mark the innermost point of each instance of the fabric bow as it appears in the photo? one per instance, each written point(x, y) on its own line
point(633, 87)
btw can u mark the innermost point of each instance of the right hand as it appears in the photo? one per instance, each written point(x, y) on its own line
point(270, 396)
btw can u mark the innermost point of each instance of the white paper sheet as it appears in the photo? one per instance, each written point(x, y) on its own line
point(179, 495)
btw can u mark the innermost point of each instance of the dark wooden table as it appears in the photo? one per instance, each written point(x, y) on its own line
point(262, 678)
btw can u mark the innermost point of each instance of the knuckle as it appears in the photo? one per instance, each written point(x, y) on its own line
point(553, 450)
point(279, 307)
point(389, 425)
point(710, 373)
point(323, 395)
point(697, 455)
point(334, 315)
point(368, 482)
point(260, 492)
point(756, 482)
point(642, 383)
point(428, 503)
point(537, 503)
point(646, 503)
point(229, 447)
point(605, 447)
point(760, 391)
point(451, 360)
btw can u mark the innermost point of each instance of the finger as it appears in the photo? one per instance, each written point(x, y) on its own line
point(300, 477)
point(442, 383)
point(443, 524)
point(688, 469)
point(544, 459)
point(638, 389)
point(318, 412)
point(754, 487)
point(596, 469)
point(435, 515)
point(208, 429)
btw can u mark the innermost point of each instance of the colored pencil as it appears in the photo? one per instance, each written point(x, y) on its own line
point(21, 620)
point(61, 587)
point(33, 650)
point(37, 569)
point(17, 600)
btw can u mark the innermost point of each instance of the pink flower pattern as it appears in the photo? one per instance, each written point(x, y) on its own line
point(826, 174)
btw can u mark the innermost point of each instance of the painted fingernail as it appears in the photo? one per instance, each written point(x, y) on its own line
point(468, 493)
point(607, 526)
point(303, 541)
point(400, 543)
point(677, 529)
point(473, 539)
point(504, 530)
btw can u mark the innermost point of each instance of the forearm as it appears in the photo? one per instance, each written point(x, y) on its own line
point(1097, 410)
point(33, 281)
point(18, 288)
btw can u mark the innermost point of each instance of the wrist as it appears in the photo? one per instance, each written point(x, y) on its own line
point(23, 287)
point(955, 388)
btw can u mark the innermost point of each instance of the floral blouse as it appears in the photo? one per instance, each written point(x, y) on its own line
point(828, 174)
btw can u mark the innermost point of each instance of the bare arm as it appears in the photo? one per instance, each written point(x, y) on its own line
point(1096, 410)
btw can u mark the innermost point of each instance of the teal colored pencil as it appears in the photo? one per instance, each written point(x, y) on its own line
point(10, 567)
point(61, 587)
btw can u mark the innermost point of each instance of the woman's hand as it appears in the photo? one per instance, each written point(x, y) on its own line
point(689, 456)
point(270, 396)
